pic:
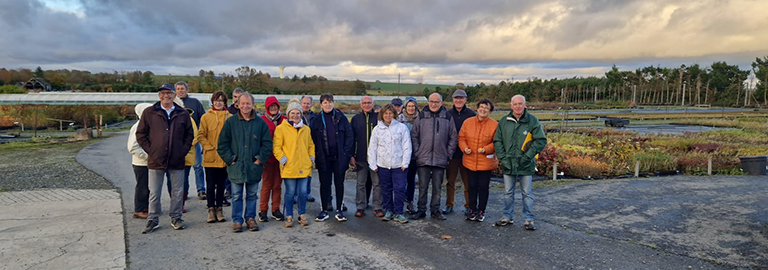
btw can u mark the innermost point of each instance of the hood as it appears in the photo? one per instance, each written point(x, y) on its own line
point(271, 100)
point(139, 109)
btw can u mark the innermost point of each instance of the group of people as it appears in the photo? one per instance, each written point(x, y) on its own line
point(387, 149)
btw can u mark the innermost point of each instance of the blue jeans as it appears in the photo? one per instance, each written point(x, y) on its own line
point(251, 198)
point(295, 187)
point(199, 172)
point(510, 181)
point(393, 182)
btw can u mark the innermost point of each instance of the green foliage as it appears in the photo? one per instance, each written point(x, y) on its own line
point(654, 160)
point(12, 89)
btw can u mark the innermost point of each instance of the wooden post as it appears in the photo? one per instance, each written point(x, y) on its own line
point(637, 168)
point(554, 171)
point(100, 123)
point(709, 165)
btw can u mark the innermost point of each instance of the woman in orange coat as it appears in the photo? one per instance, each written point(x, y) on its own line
point(476, 141)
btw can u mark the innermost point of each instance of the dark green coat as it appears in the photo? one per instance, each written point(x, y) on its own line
point(509, 139)
point(243, 142)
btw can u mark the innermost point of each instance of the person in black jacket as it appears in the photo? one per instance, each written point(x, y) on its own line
point(332, 136)
point(165, 132)
point(459, 113)
point(362, 126)
point(182, 90)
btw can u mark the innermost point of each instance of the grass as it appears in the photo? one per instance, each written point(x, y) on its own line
point(37, 144)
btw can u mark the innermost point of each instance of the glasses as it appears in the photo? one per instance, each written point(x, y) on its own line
point(219, 100)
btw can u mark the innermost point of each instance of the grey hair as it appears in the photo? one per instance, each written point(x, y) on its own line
point(520, 96)
point(248, 95)
point(238, 90)
point(438, 95)
point(182, 83)
point(309, 97)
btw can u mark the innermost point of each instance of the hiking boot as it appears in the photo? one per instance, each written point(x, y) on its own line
point(151, 226)
point(388, 216)
point(263, 216)
point(438, 215)
point(201, 196)
point(340, 216)
point(401, 218)
point(237, 227)
point(211, 215)
point(226, 203)
point(277, 215)
point(141, 215)
point(378, 213)
point(471, 215)
point(419, 215)
point(220, 215)
point(252, 225)
point(288, 221)
point(303, 220)
point(529, 225)
point(360, 213)
point(322, 216)
point(504, 222)
point(480, 216)
point(177, 224)
point(448, 210)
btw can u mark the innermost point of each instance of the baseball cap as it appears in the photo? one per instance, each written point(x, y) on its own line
point(459, 93)
point(166, 86)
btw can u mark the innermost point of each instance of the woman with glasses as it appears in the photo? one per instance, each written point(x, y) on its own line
point(215, 168)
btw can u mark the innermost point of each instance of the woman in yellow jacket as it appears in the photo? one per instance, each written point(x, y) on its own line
point(215, 168)
point(476, 141)
point(294, 149)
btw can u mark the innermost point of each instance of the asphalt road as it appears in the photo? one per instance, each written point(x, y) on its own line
point(622, 224)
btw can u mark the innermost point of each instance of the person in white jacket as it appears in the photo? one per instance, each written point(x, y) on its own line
point(389, 153)
point(139, 161)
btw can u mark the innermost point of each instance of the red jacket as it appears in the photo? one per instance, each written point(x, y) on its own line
point(266, 117)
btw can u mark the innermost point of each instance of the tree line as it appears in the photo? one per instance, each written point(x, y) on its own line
point(719, 84)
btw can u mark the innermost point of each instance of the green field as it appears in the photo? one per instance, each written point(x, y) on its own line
point(388, 88)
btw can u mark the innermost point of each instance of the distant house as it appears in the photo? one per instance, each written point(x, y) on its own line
point(37, 84)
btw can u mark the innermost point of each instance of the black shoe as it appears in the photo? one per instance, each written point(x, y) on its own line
point(438, 215)
point(448, 210)
point(201, 195)
point(470, 216)
point(226, 203)
point(409, 209)
point(310, 198)
point(177, 224)
point(151, 226)
point(343, 207)
point(529, 226)
point(419, 215)
point(480, 216)
point(263, 216)
point(277, 215)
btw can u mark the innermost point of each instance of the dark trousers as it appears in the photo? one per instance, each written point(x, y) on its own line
point(215, 185)
point(433, 175)
point(141, 193)
point(332, 174)
point(478, 182)
point(392, 183)
point(455, 168)
point(410, 185)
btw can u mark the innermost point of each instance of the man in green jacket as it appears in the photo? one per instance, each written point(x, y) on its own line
point(517, 156)
point(245, 145)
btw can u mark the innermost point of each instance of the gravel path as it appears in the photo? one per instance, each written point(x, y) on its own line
point(47, 166)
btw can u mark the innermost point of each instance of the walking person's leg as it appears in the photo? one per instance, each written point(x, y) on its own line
point(472, 186)
point(525, 189)
point(155, 179)
point(464, 172)
point(450, 186)
point(177, 198)
point(211, 186)
point(301, 189)
point(437, 183)
point(398, 189)
point(483, 186)
point(376, 190)
point(290, 192)
point(385, 181)
point(361, 177)
point(251, 197)
point(425, 174)
point(237, 203)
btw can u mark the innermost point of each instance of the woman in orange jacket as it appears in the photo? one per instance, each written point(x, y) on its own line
point(476, 141)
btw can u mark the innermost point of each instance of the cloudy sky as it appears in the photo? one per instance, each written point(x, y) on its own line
point(441, 41)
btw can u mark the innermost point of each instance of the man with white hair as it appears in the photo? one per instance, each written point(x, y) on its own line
point(519, 138)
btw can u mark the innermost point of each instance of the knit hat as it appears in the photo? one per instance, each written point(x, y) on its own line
point(293, 104)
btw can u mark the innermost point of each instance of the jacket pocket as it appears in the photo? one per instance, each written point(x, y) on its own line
point(210, 156)
point(254, 171)
point(236, 173)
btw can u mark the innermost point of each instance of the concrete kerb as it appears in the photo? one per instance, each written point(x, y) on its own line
point(62, 229)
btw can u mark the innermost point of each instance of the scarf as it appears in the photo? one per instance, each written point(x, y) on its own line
point(274, 118)
point(296, 125)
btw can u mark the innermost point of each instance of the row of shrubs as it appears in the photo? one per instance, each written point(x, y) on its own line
point(591, 153)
